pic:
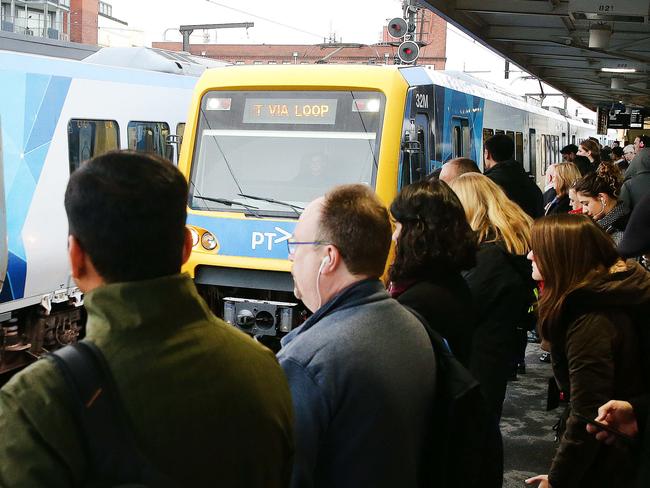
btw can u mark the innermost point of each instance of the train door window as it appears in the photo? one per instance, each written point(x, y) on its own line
point(422, 124)
point(461, 137)
point(148, 137)
point(573, 139)
point(90, 138)
point(544, 152)
point(532, 153)
point(563, 139)
point(519, 147)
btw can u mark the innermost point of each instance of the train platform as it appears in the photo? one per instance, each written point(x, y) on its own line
point(526, 426)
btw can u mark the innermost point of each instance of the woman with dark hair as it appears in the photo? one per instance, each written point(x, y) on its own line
point(592, 305)
point(434, 243)
point(591, 150)
point(599, 195)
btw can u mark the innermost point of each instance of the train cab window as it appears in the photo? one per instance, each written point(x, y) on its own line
point(519, 147)
point(90, 138)
point(148, 137)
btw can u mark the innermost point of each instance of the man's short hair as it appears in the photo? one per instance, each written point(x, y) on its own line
point(500, 146)
point(128, 210)
point(617, 151)
point(569, 148)
point(355, 221)
point(464, 165)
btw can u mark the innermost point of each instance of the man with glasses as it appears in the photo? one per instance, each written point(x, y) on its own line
point(361, 369)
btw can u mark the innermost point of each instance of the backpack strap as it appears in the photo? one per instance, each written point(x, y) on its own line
point(104, 425)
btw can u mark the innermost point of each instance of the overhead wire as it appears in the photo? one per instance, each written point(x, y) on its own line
point(286, 26)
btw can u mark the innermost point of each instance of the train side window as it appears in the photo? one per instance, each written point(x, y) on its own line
point(544, 151)
point(89, 138)
point(532, 153)
point(499, 131)
point(519, 147)
point(148, 137)
point(487, 133)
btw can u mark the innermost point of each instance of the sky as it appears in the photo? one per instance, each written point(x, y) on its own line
point(309, 22)
point(351, 21)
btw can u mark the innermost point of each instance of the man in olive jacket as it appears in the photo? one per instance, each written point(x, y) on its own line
point(208, 406)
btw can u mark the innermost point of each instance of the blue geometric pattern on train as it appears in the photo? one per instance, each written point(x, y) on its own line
point(29, 116)
point(247, 237)
point(451, 108)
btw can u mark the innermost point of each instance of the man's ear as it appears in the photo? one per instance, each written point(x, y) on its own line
point(187, 245)
point(77, 258)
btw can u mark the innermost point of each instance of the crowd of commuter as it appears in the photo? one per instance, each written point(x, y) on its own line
point(354, 396)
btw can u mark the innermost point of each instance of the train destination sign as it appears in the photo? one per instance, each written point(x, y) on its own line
point(290, 111)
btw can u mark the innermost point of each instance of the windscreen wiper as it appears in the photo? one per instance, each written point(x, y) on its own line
point(230, 203)
point(293, 207)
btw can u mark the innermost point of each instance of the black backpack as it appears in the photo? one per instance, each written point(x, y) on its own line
point(113, 456)
point(459, 434)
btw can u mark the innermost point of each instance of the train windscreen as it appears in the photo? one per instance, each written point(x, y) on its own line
point(255, 149)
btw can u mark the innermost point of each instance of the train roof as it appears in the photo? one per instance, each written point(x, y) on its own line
point(147, 73)
point(151, 59)
point(465, 83)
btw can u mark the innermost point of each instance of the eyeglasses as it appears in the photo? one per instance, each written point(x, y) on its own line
point(292, 245)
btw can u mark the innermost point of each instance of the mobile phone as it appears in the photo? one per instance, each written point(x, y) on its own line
point(607, 428)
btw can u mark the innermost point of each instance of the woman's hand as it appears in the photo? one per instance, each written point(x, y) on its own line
point(542, 479)
point(617, 414)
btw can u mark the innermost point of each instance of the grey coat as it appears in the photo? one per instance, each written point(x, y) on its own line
point(362, 376)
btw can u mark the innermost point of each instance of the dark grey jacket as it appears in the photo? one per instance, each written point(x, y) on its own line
point(362, 376)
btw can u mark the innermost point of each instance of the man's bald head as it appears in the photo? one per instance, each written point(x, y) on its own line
point(453, 168)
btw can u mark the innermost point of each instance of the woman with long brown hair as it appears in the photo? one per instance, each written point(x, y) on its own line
point(589, 311)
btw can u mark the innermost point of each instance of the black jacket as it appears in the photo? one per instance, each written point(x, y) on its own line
point(559, 205)
point(502, 289)
point(522, 190)
point(446, 304)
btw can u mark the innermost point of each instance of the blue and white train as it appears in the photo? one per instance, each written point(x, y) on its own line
point(55, 114)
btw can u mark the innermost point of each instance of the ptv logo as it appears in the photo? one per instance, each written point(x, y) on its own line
point(268, 239)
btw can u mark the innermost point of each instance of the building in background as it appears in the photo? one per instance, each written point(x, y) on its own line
point(432, 30)
point(113, 32)
point(50, 19)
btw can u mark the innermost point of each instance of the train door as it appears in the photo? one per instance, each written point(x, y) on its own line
point(4, 256)
point(417, 145)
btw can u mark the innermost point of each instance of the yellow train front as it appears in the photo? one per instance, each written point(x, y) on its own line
point(262, 142)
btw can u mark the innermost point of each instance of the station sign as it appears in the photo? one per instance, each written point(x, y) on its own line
point(290, 111)
point(636, 118)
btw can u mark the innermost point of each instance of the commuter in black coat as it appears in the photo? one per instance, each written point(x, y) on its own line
point(500, 282)
point(509, 174)
point(434, 243)
point(502, 290)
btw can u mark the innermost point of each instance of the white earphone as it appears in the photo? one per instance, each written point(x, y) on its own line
point(326, 260)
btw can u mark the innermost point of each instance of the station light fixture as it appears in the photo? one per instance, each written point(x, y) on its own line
point(618, 70)
point(408, 52)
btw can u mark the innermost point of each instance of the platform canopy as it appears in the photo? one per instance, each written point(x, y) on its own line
point(596, 52)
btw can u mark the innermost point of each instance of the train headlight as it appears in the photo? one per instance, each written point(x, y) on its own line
point(195, 236)
point(208, 241)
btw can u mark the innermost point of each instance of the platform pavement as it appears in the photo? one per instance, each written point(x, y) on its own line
point(526, 426)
